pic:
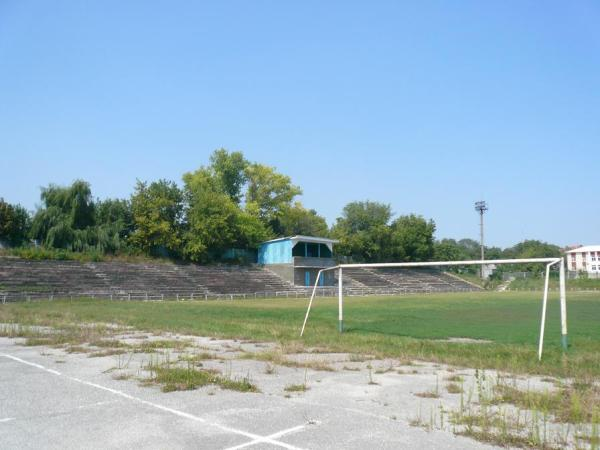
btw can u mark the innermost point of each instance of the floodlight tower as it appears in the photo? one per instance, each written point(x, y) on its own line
point(481, 207)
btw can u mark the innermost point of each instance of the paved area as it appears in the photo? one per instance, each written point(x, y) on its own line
point(56, 400)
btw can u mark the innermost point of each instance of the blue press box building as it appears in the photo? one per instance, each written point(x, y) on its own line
point(298, 259)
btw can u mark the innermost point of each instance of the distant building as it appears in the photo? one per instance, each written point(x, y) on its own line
point(298, 259)
point(584, 259)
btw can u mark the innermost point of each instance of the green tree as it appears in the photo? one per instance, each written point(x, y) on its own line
point(117, 213)
point(471, 248)
point(157, 210)
point(230, 172)
point(64, 211)
point(215, 222)
point(269, 193)
point(532, 249)
point(412, 239)
point(448, 250)
point(363, 231)
point(74, 202)
point(14, 224)
point(114, 220)
point(296, 219)
point(362, 216)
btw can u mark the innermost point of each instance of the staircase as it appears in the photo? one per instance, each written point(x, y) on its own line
point(123, 278)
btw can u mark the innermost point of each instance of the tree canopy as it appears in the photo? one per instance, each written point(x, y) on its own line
point(157, 210)
point(229, 204)
point(366, 234)
point(14, 224)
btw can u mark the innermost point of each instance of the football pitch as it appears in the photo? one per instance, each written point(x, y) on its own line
point(502, 329)
point(418, 371)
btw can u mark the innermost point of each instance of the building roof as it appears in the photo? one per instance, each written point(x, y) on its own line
point(585, 248)
point(300, 238)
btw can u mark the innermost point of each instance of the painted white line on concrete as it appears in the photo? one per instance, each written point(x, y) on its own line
point(271, 436)
point(37, 366)
point(254, 437)
point(91, 405)
point(344, 408)
point(8, 419)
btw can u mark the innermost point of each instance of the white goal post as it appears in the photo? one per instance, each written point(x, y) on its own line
point(548, 261)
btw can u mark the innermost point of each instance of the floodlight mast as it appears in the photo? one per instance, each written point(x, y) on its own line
point(481, 207)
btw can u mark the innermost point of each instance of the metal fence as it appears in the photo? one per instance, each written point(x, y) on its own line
point(9, 297)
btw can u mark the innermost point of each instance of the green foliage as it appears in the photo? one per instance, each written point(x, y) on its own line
point(115, 212)
point(14, 224)
point(157, 210)
point(363, 231)
point(365, 234)
point(533, 249)
point(214, 221)
point(67, 220)
point(74, 204)
point(230, 172)
point(64, 210)
point(364, 216)
point(231, 204)
point(412, 238)
point(41, 253)
point(296, 219)
point(449, 250)
point(269, 193)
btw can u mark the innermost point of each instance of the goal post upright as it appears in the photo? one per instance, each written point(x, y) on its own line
point(548, 261)
point(544, 308)
point(340, 301)
point(563, 305)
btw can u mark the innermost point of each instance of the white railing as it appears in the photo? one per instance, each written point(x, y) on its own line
point(9, 297)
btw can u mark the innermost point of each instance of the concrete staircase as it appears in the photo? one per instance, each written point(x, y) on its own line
point(123, 278)
point(389, 280)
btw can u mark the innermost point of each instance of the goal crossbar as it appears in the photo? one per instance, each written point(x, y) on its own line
point(549, 262)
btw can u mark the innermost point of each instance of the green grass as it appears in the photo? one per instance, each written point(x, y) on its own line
point(403, 327)
point(189, 378)
point(538, 283)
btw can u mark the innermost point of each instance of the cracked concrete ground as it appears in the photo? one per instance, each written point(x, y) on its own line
point(53, 399)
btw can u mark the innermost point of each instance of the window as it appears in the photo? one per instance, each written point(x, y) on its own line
point(312, 250)
point(325, 252)
point(593, 267)
point(298, 249)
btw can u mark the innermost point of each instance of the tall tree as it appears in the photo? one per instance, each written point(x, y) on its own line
point(215, 222)
point(115, 211)
point(14, 224)
point(157, 210)
point(114, 219)
point(449, 250)
point(296, 220)
point(64, 211)
point(532, 249)
point(412, 238)
point(230, 172)
point(269, 193)
point(363, 231)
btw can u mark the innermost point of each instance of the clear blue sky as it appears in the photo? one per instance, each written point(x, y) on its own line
point(428, 106)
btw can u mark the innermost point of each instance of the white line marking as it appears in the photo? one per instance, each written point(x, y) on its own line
point(8, 419)
point(271, 436)
point(91, 405)
point(254, 437)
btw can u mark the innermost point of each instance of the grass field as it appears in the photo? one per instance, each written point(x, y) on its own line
point(538, 283)
point(414, 326)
